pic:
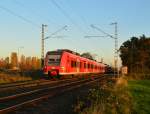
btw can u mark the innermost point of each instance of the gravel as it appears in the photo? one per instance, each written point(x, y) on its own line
point(60, 104)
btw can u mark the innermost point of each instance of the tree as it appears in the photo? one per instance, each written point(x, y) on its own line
point(135, 53)
point(87, 55)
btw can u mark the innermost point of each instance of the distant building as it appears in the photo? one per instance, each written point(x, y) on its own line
point(7, 60)
point(23, 60)
point(1, 63)
point(34, 59)
point(14, 59)
point(28, 62)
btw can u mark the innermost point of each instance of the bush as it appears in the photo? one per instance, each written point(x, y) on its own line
point(138, 76)
point(107, 100)
point(7, 78)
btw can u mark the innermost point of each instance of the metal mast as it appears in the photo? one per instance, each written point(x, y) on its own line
point(116, 49)
point(115, 37)
point(42, 45)
point(44, 38)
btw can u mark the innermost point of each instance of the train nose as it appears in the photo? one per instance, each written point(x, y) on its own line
point(54, 73)
point(45, 69)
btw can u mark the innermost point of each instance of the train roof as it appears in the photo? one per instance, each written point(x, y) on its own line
point(63, 50)
point(60, 51)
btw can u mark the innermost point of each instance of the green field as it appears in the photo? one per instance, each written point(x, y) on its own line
point(140, 91)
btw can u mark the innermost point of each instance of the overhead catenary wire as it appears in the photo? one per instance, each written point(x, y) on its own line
point(93, 26)
point(66, 15)
point(115, 37)
point(79, 15)
point(94, 36)
point(34, 11)
point(19, 16)
point(63, 28)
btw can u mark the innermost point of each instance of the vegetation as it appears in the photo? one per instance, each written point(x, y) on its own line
point(6, 78)
point(132, 97)
point(88, 55)
point(22, 63)
point(140, 90)
point(135, 54)
point(107, 100)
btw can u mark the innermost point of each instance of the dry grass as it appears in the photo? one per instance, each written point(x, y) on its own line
point(114, 99)
point(6, 78)
point(121, 82)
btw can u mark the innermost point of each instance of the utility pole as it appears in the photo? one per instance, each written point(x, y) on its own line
point(116, 49)
point(44, 38)
point(115, 37)
point(42, 45)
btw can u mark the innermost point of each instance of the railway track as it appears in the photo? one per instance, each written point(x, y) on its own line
point(24, 84)
point(21, 84)
point(16, 89)
point(15, 101)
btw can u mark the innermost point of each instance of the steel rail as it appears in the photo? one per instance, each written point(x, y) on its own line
point(18, 84)
point(67, 87)
point(38, 90)
point(28, 84)
point(21, 91)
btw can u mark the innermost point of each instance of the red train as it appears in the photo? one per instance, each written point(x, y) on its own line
point(66, 62)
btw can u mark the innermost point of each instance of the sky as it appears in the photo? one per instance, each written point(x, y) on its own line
point(21, 21)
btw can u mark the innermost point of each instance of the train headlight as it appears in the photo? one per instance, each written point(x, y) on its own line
point(53, 68)
point(62, 67)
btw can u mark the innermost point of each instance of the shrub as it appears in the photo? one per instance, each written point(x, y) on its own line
point(107, 100)
point(6, 78)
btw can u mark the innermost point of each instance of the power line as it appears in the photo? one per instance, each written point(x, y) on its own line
point(63, 28)
point(93, 36)
point(32, 10)
point(93, 26)
point(43, 38)
point(115, 37)
point(19, 16)
point(80, 16)
point(66, 15)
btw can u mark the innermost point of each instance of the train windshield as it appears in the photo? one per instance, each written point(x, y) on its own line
point(54, 59)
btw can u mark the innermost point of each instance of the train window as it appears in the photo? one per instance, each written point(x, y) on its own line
point(84, 65)
point(57, 59)
point(88, 65)
point(75, 64)
point(80, 64)
point(51, 59)
point(72, 63)
point(95, 67)
point(54, 59)
point(91, 66)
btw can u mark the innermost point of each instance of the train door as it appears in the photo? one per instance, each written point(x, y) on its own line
point(78, 65)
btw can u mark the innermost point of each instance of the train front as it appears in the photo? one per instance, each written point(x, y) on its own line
point(52, 63)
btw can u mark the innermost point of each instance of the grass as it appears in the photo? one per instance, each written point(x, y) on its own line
point(7, 78)
point(140, 91)
point(125, 97)
point(15, 76)
point(110, 99)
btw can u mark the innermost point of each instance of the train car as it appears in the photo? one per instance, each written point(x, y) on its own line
point(66, 62)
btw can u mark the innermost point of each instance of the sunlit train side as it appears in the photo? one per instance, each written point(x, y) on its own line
point(66, 62)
